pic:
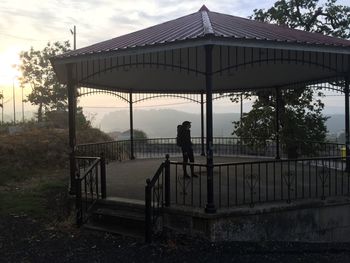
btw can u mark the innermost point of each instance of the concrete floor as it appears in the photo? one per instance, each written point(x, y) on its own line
point(234, 184)
point(127, 179)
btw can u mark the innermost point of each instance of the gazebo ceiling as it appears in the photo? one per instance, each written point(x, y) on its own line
point(170, 57)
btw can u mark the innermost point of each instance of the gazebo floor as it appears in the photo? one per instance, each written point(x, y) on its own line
point(303, 220)
point(127, 179)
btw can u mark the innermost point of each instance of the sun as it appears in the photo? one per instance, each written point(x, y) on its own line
point(8, 73)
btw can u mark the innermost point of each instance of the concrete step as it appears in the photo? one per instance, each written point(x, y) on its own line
point(115, 229)
point(125, 217)
point(117, 203)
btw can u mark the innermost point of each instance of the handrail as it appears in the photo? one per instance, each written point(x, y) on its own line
point(157, 195)
point(89, 169)
point(90, 184)
point(242, 183)
point(224, 146)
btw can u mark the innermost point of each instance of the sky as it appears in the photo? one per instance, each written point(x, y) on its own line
point(32, 23)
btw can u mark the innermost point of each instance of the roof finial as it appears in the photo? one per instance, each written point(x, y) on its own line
point(203, 8)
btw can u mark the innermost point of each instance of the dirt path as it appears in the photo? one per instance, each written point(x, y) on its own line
point(25, 240)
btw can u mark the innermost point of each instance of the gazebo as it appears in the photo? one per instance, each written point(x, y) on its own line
point(206, 53)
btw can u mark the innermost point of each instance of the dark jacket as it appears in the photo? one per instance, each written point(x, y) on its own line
point(185, 138)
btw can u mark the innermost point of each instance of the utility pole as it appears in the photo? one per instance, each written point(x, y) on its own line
point(14, 101)
point(22, 106)
point(241, 110)
point(2, 107)
point(74, 33)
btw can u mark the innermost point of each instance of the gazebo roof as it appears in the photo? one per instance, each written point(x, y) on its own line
point(170, 57)
point(204, 23)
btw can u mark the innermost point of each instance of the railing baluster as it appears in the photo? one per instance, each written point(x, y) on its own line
point(228, 185)
point(274, 181)
point(200, 186)
point(310, 180)
point(296, 179)
point(316, 175)
point(236, 184)
point(219, 186)
point(302, 179)
point(259, 185)
point(244, 183)
point(267, 182)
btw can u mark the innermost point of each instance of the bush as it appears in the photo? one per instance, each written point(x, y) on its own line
point(43, 147)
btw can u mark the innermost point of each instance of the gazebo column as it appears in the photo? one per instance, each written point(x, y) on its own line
point(202, 124)
point(210, 206)
point(71, 122)
point(347, 125)
point(278, 106)
point(132, 156)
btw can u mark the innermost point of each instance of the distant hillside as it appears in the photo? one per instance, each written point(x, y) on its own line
point(162, 123)
point(335, 123)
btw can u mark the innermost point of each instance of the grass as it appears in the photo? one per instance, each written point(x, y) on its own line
point(12, 174)
point(40, 193)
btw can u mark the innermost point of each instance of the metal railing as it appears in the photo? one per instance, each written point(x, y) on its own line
point(224, 146)
point(250, 183)
point(157, 195)
point(112, 150)
point(90, 185)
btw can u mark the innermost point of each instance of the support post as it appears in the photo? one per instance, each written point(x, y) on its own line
point(167, 181)
point(278, 102)
point(132, 156)
point(210, 206)
point(241, 117)
point(148, 212)
point(78, 202)
point(347, 124)
point(72, 129)
point(202, 125)
point(103, 177)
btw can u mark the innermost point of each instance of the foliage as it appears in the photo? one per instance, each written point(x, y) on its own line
point(308, 15)
point(301, 120)
point(37, 72)
point(300, 113)
point(138, 134)
point(59, 119)
point(36, 146)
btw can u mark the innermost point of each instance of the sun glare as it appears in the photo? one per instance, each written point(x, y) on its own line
point(8, 72)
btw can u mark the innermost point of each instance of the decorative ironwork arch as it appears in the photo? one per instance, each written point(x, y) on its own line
point(90, 91)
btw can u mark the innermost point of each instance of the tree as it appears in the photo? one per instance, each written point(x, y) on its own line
point(308, 15)
point(300, 113)
point(138, 134)
point(37, 72)
point(301, 121)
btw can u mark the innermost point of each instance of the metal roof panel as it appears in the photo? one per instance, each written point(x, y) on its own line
point(205, 22)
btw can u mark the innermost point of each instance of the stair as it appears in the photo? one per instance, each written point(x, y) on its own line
point(119, 216)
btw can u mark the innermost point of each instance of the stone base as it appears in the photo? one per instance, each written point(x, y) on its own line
point(305, 221)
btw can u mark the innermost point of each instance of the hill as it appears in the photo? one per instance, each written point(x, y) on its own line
point(162, 123)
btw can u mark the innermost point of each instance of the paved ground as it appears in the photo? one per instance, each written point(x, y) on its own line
point(128, 179)
point(234, 184)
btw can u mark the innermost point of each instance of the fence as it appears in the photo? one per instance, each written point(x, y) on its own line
point(249, 183)
point(157, 194)
point(224, 146)
point(90, 185)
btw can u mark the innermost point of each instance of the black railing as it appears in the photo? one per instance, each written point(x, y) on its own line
point(249, 183)
point(112, 150)
point(157, 195)
point(223, 146)
point(90, 185)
